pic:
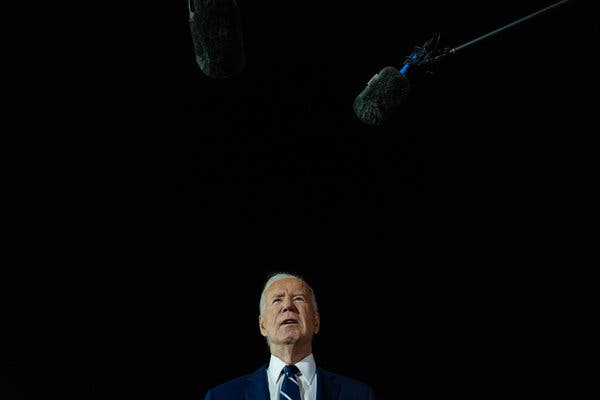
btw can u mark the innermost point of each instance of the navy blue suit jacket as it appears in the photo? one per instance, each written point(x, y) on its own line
point(254, 386)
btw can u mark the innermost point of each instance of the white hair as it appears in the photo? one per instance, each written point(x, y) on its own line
point(283, 275)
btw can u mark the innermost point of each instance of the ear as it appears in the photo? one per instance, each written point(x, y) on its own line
point(261, 325)
point(317, 323)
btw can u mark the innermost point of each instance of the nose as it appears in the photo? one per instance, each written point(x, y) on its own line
point(288, 305)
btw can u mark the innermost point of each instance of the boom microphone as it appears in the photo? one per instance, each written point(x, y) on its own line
point(384, 94)
point(388, 90)
point(217, 35)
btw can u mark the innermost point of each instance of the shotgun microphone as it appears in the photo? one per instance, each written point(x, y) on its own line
point(217, 36)
point(388, 90)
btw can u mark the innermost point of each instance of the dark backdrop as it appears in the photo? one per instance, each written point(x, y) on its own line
point(454, 244)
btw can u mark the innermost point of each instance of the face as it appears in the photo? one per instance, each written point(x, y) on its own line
point(289, 317)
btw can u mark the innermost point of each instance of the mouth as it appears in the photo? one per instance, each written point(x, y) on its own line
point(288, 321)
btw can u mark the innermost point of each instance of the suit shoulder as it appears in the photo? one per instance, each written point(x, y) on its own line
point(235, 387)
point(240, 380)
point(345, 380)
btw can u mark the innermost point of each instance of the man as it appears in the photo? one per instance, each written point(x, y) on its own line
point(289, 319)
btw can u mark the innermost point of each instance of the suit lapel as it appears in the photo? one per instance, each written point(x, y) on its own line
point(257, 387)
point(327, 388)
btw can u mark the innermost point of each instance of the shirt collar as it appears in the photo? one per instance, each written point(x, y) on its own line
point(307, 367)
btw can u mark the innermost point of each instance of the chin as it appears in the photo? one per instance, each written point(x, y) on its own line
point(289, 339)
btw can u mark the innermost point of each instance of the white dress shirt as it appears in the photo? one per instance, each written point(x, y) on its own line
point(307, 375)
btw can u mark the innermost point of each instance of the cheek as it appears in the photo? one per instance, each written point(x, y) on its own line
point(269, 321)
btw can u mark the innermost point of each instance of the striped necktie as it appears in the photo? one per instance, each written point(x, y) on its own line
point(289, 388)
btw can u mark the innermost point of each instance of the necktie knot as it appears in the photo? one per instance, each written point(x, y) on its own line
point(290, 370)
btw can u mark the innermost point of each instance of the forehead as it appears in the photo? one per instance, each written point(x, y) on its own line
point(284, 285)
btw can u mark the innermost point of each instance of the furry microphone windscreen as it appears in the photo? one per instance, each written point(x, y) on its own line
point(217, 35)
point(382, 97)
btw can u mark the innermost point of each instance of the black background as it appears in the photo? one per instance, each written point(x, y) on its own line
point(454, 244)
